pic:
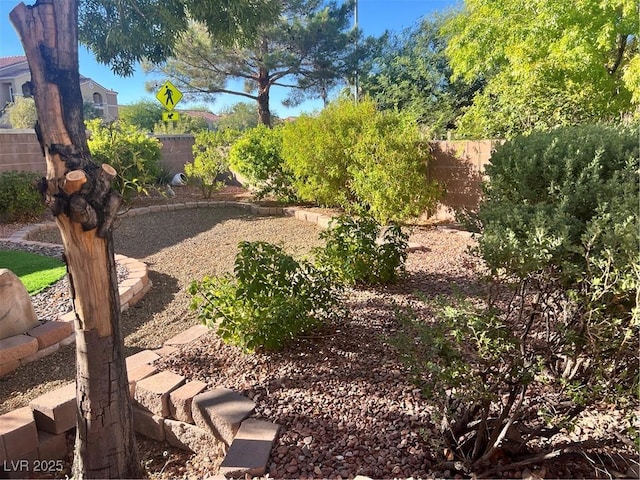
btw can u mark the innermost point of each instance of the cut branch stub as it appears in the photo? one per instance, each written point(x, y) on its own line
point(73, 181)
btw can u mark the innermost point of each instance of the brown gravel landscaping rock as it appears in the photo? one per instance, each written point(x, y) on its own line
point(341, 395)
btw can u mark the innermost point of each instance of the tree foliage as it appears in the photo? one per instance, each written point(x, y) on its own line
point(123, 32)
point(411, 73)
point(144, 114)
point(547, 63)
point(22, 113)
point(239, 116)
point(310, 49)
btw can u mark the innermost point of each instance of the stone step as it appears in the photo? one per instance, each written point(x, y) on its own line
point(55, 411)
point(19, 434)
point(153, 392)
point(250, 450)
point(222, 411)
point(52, 447)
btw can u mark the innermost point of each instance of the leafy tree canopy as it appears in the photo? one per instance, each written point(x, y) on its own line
point(239, 116)
point(547, 62)
point(124, 32)
point(311, 49)
point(144, 114)
point(411, 72)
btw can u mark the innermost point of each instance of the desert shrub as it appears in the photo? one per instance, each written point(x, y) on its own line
point(210, 160)
point(19, 198)
point(257, 156)
point(352, 250)
point(352, 155)
point(270, 300)
point(22, 113)
point(134, 155)
point(471, 365)
point(560, 240)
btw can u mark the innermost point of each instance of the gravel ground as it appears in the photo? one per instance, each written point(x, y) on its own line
point(342, 396)
point(178, 247)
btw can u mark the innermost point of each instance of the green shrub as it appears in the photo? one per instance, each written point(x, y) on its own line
point(470, 365)
point(353, 252)
point(22, 113)
point(210, 159)
point(560, 239)
point(134, 155)
point(272, 298)
point(257, 156)
point(351, 154)
point(19, 198)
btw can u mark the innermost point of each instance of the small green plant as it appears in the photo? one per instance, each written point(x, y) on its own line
point(134, 155)
point(476, 372)
point(210, 160)
point(271, 299)
point(257, 156)
point(19, 198)
point(353, 251)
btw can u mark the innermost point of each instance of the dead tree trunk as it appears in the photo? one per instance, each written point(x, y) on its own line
point(80, 196)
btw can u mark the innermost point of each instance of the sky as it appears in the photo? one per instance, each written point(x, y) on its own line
point(374, 17)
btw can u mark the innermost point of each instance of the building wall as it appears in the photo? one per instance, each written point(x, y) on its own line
point(458, 166)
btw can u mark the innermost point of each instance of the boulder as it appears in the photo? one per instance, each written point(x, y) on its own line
point(16, 311)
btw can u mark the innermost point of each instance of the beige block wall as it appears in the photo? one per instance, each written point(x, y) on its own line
point(457, 165)
point(19, 150)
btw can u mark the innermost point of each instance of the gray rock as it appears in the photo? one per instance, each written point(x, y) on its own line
point(16, 311)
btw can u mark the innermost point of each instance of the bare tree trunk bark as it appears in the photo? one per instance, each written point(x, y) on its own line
point(264, 85)
point(79, 195)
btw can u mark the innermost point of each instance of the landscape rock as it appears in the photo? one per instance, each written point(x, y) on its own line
point(16, 311)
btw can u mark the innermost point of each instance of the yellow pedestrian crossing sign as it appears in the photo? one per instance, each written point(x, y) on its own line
point(170, 116)
point(169, 95)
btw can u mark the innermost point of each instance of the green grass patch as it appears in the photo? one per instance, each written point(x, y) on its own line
point(36, 271)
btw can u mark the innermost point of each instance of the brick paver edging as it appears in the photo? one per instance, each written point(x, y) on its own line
point(190, 416)
point(47, 337)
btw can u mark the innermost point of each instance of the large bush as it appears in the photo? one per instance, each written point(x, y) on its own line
point(352, 154)
point(271, 299)
point(559, 332)
point(210, 160)
point(257, 156)
point(134, 155)
point(19, 198)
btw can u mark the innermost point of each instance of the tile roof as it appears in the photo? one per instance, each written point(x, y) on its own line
point(8, 61)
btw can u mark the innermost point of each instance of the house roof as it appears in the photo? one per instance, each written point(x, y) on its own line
point(208, 116)
point(8, 61)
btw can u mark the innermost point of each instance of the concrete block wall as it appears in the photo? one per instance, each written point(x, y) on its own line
point(20, 150)
point(457, 165)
